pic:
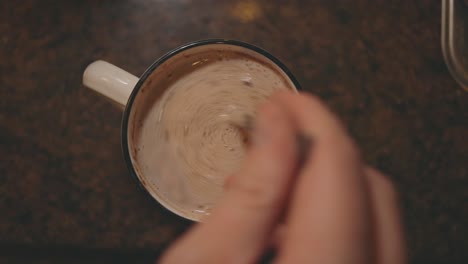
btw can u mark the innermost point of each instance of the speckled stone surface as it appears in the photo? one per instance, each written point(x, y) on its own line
point(64, 186)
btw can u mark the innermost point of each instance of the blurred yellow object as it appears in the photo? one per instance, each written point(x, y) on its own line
point(246, 11)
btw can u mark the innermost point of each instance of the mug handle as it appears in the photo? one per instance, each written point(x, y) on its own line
point(109, 81)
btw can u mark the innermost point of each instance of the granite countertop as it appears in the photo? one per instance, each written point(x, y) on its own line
point(65, 192)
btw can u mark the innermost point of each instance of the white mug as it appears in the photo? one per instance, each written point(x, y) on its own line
point(123, 89)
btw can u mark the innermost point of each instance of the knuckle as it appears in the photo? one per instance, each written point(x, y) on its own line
point(314, 102)
point(348, 149)
point(311, 98)
point(385, 185)
point(388, 187)
point(353, 151)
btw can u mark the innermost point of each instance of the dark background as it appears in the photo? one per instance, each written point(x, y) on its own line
point(65, 193)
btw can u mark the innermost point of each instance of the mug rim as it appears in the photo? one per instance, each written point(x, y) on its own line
point(149, 71)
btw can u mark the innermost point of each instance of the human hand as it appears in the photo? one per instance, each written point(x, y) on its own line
point(332, 209)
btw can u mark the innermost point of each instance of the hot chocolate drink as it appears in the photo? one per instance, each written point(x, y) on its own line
point(184, 141)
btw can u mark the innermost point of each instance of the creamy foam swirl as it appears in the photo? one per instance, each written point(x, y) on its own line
point(188, 144)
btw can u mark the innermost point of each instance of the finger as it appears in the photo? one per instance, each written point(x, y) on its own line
point(329, 216)
point(388, 231)
point(239, 228)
